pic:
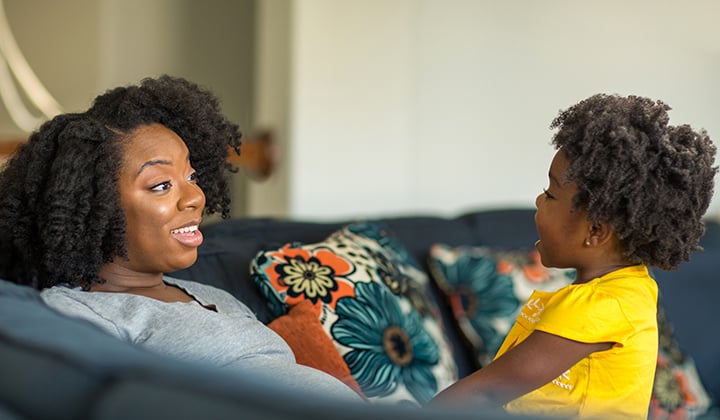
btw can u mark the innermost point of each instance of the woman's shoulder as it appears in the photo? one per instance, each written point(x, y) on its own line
point(62, 292)
point(95, 307)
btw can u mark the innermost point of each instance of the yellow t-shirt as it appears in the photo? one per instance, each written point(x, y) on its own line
point(619, 307)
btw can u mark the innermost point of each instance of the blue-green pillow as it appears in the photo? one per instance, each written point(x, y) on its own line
point(486, 288)
point(677, 390)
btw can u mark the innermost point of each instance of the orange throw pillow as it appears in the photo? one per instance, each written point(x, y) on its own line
point(305, 335)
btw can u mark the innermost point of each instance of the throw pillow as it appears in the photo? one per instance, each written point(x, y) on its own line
point(302, 331)
point(373, 301)
point(677, 390)
point(486, 288)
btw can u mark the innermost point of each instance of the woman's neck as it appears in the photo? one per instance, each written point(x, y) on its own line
point(120, 279)
point(117, 279)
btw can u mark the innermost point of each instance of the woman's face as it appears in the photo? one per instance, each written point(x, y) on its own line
point(162, 202)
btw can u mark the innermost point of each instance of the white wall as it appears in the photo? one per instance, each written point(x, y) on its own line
point(410, 106)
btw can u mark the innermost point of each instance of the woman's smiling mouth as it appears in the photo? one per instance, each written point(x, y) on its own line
point(188, 235)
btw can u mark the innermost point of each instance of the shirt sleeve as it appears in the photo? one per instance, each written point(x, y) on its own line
point(586, 315)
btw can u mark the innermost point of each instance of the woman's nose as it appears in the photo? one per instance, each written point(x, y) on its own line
point(192, 197)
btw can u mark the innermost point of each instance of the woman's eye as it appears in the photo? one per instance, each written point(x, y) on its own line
point(163, 186)
point(547, 194)
point(193, 177)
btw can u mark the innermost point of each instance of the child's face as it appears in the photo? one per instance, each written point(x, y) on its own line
point(562, 230)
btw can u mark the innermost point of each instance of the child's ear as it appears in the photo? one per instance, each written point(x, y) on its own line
point(599, 233)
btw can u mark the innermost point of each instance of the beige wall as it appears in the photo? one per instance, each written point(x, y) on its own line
point(387, 106)
point(80, 48)
point(59, 40)
point(442, 106)
point(273, 64)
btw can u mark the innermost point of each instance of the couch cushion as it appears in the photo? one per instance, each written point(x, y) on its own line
point(690, 297)
point(505, 229)
point(225, 257)
point(53, 366)
point(487, 287)
point(373, 301)
point(302, 331)
point(677, 390)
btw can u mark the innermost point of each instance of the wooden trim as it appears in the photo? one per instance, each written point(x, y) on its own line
point(8, 147)
point(257, 156)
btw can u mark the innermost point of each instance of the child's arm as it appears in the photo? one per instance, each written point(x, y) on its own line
point(531, 364)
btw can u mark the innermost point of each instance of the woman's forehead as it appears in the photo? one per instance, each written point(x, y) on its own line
point(153, 142)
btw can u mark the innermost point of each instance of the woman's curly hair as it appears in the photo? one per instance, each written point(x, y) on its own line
point(651, 182)
point(60, 209)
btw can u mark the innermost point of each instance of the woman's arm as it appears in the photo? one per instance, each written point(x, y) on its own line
point(531, 364)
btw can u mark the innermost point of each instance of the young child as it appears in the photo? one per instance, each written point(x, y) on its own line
point(626, 191)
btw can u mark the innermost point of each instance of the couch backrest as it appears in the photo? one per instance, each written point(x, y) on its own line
point(230, 246)
point(224, 258)
point(687, 293)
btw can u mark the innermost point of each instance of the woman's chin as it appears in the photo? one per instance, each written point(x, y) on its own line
point(183, 263)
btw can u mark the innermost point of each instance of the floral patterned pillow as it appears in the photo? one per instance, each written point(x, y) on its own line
point(486, 289)
point(677, 391)
point(373, 301)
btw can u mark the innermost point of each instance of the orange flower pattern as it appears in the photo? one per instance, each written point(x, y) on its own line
point(318, 275)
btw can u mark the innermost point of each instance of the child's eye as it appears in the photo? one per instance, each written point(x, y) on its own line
point(163, 186)
point(547, 194)
point(193, 177)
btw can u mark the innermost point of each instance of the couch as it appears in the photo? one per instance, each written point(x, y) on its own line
point(56, 367)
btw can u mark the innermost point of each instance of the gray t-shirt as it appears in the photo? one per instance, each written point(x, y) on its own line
point(231, 336)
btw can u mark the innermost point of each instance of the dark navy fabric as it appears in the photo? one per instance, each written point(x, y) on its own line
point(691, 298)
point(689, 293)
point(52, 366)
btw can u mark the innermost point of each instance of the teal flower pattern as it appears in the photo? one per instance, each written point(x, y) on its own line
point(482, 296)
point(389, 348)
point(274, 301)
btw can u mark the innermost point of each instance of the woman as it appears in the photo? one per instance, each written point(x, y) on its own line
point(97, 206)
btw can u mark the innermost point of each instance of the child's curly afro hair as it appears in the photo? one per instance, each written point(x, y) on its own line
point(650, 181)
point(60, 211)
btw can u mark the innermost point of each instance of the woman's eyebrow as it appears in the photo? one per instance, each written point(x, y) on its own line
point(154, 162)
point(150, 163)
